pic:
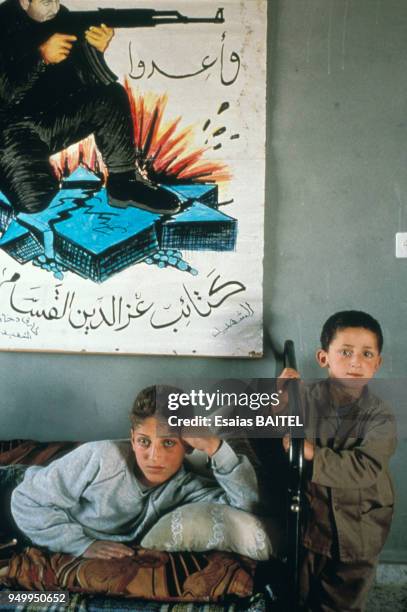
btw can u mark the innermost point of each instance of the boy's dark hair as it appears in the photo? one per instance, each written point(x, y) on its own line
point(350, 318)
point(151, 402)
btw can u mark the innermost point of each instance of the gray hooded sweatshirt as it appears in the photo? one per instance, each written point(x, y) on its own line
point(93, 494)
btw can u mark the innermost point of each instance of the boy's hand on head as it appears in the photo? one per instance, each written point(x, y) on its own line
point(208, 444)
point(105, 549)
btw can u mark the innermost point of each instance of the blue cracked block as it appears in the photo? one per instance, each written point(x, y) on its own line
point(199, 228)
point(82, 233)
point(96, 240)
point(20, 243)
point(4, 202)
point(82, 178)
point(6, 212)
point(207, 193)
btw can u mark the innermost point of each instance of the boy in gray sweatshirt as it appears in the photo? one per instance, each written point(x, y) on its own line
point(106, 493)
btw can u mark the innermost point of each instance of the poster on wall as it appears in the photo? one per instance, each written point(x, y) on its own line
point(132, 171)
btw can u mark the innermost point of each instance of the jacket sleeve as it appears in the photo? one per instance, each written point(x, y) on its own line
point(21, 63)
point(40, 504)
point(359, 466)
point(236, 482)
point(20, 67)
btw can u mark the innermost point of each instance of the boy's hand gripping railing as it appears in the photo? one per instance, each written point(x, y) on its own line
point(295, 474)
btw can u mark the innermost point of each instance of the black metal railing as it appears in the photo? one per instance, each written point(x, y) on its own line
point(295, 477)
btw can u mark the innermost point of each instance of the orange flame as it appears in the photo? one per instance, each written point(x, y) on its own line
point(165, 153)
point(84, 153)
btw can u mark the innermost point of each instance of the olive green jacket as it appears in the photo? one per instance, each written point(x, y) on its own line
point(349, 492)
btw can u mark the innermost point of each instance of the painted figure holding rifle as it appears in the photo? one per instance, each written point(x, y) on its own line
point(55, 90)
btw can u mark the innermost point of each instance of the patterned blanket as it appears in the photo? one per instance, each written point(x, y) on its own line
point(148, 574)
point(155, 576)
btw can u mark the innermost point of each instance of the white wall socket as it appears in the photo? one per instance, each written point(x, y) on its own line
point(401, 244)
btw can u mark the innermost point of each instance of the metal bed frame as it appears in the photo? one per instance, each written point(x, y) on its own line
point(295, 480)
point(279, 581)
point(282, 589)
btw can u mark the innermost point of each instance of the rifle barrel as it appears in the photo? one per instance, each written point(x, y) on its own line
point(76, 22)
point(133, 18)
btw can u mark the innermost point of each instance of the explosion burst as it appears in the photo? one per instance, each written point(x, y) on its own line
point(165, 152)
point(84, 153)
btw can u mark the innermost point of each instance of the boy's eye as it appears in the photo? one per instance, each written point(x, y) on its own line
point(145, 442)
point(169, 443)
point(368, 354)
point(346, 353)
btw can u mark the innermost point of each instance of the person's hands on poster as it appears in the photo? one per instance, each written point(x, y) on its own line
point(281, 387)
point(105, 549)
point(209, 444)
point(308, 448)
point(57, 48)
point(99, 37)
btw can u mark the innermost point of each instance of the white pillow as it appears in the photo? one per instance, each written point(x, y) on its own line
point(207, 526)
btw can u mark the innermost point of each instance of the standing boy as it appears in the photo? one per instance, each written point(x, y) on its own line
point(350, 437)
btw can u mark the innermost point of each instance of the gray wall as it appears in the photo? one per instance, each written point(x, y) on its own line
point(336, 196)
point(337, 181)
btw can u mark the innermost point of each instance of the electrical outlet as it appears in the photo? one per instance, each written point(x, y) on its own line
point(401, 244)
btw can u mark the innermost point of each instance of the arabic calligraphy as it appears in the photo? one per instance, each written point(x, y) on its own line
point(193, 302)
point(30, 304)
point(245, 312)
point(229, 66)
point(22, 328)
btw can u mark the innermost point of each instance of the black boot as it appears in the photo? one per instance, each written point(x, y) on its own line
point(129, 189)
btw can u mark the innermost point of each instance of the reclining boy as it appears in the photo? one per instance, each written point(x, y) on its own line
point(103, 494)
point(350, 437)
